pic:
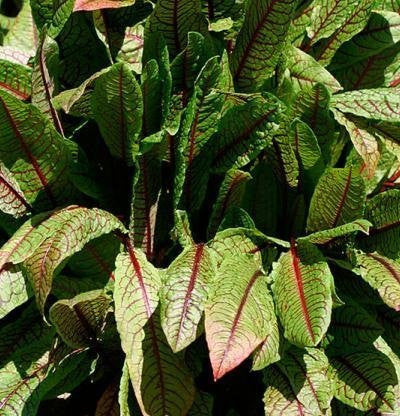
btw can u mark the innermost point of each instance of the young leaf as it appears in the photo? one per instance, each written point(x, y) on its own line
point(338, 199)
point(326, 236)
point(117, 108)
point(79, 321)
point(187, 281)
point(302, 292)
point(260, 42)
point(235, 315)
point(230, 195)
point(146, 194)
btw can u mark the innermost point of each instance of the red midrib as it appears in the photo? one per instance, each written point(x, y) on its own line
point(342, 199)
point(236, 321)
point(224, 206)
point(300, 289)
point(150, 322)
point(254, 37)
point(28, 154)
point(14, 192)
point(358, 373)
point(386, 265)
point(193, 277)
point(16, 92)
point(364, 72)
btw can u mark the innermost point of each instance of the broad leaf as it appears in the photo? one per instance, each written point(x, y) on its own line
point(260, 42)
point(243, 132)
point(302, 292)
point(379, 103)
point(81, 226)
point(365, 380)
point(383, 275)
point(384, 214)
point(34, 153)
point(236, 313)
point(117, 108)
point(173, 20)
point(15, 79)
point(343, 193)
point(185, 292)
point(79, 321)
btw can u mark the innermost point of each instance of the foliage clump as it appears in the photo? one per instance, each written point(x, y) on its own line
point(200, 212)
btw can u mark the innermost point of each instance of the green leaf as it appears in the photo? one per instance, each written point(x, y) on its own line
point(79, 321)
point(378, 103)
point(80, 226)
point(163, 384)
point(230, 195)
point(305, 71)
point(184, 294)
point(364, 142)
point(243, 131)
point(260, 42)
point(306, 370)
point(356, 18)
point(312, 107)
point(174, 20)
point(117, 108)
point(12, 199)
point(384, 213)
point(15, 79)
point(326, 236)
point(327, 16)
point(365, 380)
point(146, 194)
point(44, 83)
point(338, 199)
point(352, 329)
point(383, 275)
point(302, 292)
point(236, 315)
point(34, 153)
point(358, 62)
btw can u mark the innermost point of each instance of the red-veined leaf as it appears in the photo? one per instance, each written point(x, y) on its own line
point(88, 5)
point(302, 293)
point(185, 291)
point(236, 312)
